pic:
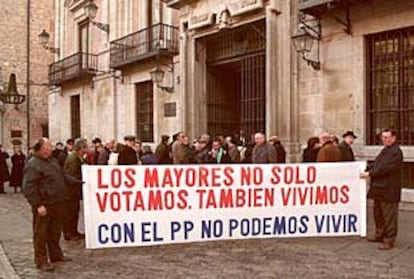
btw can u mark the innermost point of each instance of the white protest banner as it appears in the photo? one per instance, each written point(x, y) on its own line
point(154, 205)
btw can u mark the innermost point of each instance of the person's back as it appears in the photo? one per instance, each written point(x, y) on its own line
point(127, 156)
point(149, 159)
point(329, 153)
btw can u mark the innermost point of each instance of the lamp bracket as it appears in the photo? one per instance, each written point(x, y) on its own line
point(102, 26)
point(54, 50)
point(346, 22)
point(310, 23)
point(166, 88)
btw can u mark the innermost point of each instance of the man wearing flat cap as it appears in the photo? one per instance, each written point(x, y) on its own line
point(346, 146)
point(128, 156)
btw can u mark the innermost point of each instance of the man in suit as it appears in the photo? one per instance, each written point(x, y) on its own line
point(385, 190)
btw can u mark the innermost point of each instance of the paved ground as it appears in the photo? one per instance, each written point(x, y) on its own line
point(311, 258)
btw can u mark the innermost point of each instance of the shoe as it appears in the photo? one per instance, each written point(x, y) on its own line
point(45, 267)
point(62, 259)
point(374, 239)
point(386, 246)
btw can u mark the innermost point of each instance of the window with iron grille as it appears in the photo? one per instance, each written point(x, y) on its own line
point(390, 84)
point(75, 116)
point(145, 111)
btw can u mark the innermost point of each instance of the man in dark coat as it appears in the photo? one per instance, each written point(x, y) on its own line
point(263, 152)
point(345, 146)
point(4, 169)
point(232, 150)
point(163, 151)
point(218, 154)
point(65, 153)
point(73, 193)
point(128, 155)
point(385, 190)
point(44, 185)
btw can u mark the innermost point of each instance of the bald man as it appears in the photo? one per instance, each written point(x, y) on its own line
point(43, 186)
point(263, 152)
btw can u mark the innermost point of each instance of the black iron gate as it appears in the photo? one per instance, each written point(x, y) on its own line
point(236, 80)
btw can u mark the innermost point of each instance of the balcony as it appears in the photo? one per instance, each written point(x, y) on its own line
point(159, 39)
point(177, 4)
point(77, 66)
point(318, 7)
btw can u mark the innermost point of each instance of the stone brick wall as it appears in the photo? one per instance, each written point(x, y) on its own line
point(13, 59)
point(334, 98)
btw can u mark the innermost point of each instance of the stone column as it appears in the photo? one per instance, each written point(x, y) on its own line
point(196, 114)
point(281, 79)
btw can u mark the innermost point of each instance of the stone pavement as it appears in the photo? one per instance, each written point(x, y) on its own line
point(311, 258)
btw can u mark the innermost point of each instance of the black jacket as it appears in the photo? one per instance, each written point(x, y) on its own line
point(385, 175)
point(346, 152)
point(128, 156)
point(44, 182)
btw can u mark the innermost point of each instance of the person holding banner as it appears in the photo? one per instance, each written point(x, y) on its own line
point(73, 193)
point(385, 190)
point(44, 184)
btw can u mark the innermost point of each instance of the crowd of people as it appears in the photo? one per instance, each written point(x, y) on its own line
point(52, 177)
point(207, 150)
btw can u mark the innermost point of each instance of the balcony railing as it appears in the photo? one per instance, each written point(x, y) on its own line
point(158, 39)
point(77, 66)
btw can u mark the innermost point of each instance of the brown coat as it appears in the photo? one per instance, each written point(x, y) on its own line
point(329, 153)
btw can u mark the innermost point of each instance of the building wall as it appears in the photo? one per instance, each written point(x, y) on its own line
point(334, 98)
point(108, 107)
point(13, 59)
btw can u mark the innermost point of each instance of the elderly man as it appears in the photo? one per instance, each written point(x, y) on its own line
point(385, 190)
point(103, 157)
point(73, 194)
point(44, 185)
point(346, 146)
point(263, 152)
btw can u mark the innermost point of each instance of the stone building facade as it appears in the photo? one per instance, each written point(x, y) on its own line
point(101, 83)
point(236, 69)
point(20, 23)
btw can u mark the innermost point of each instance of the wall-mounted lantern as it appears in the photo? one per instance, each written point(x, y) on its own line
point(309, 32)
point(90, 10)
point(44, 38)
point(157, 76)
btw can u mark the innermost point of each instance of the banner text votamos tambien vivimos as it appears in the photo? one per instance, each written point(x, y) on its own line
point(154, 205)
